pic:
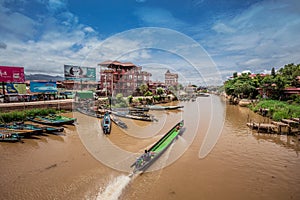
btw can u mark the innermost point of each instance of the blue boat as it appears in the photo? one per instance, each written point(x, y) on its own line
point(106, 123)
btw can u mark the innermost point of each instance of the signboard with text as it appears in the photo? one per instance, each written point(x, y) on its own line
point(78, 73)
point(16, 88)
point(44, 87)
point(12, 74)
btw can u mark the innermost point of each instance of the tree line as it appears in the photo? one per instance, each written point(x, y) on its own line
point(272, 85)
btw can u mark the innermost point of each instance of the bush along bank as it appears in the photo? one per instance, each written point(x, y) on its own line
point(23, 115)
point(276, 110)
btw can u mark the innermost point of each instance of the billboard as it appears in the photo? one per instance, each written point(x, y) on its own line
point(16, 88)
point(44, 87)
point(78, 73)
point(12, 74)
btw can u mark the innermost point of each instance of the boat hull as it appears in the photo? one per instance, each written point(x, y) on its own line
point(156, 150)
point(106, 124)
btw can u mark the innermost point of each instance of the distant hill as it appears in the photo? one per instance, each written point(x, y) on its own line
point(46, 77)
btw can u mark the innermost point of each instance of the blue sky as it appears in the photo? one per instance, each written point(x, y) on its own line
point(43, 35)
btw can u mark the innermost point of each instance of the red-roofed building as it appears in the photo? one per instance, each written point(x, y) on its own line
point(121, 77)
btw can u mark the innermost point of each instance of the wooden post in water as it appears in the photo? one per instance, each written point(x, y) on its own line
point(279, 129)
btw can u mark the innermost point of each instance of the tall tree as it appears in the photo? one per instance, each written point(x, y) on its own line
point(273, 72)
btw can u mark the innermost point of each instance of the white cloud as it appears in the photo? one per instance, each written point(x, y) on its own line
point(222, 28)
point(159, 17)
point(265, 36)
point(89, 29)
point(56, 5)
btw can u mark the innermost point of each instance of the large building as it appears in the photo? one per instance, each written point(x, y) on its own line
point(117, 77)
point(171, 79)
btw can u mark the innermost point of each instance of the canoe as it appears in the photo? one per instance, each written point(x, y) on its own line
point(26, 129)
point(4, 128)
point(117, 121)
point(53, 120)
point(106, 123)
point(88, 112)
point(21, 126)
point(9, 137)
point(156, 150)
point(129, 116)
point(158, 107)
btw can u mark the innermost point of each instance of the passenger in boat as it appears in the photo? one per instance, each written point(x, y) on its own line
point(151, 154)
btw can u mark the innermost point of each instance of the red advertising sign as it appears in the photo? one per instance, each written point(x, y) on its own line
point(12, 74)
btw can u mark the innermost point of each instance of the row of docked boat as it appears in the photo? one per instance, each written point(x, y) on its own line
point(139, 113)
point(48, 124)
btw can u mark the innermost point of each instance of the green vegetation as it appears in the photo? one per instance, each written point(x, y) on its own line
point(22, 115)
point(241, 86)
point(277, 110)
point(272, 97)
point(119, 101)
point(148, 93)
point(143, 88)
point(130, 98)
point(271, 86)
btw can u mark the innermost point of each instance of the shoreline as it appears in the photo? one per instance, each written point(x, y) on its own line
point(65, 104)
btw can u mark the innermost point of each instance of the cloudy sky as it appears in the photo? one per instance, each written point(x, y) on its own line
point(204, 41)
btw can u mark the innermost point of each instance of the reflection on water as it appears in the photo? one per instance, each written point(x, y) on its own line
point(286, 141)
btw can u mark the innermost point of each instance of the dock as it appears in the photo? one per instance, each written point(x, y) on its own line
point(285, 126)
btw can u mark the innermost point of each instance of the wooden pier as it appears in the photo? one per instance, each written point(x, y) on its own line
point(285, 126)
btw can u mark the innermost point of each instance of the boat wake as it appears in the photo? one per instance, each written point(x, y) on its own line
point(115, 187)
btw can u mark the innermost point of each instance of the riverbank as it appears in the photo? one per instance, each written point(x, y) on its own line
point(63, 104)
point(276, 110)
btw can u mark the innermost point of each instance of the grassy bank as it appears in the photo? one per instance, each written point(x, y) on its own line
point(22, 115)
point(277, 110)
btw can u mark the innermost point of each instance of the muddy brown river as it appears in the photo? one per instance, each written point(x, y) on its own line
point(216, 157)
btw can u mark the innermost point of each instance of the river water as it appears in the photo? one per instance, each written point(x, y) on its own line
point(216, 157)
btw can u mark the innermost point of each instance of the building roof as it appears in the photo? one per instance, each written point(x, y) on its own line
point(116, 63)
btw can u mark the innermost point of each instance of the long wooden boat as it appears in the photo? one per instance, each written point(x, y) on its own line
point(117, 121)
point(21, 126)
point(53, 120)
point(156, 150)
point(9, 137)
point(158, 107)
point(21, 132)
point(89, 112)
point(136, 117)
point(106, 123)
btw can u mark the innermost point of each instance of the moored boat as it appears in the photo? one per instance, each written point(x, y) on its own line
point(88, 112)
point(136, 117)
point(22, 127)
point(159, 107)
point(117, 121)
point(9, 137)
point(156, 150)
point(53, 120)
point(21, 132)
point(106, 123)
